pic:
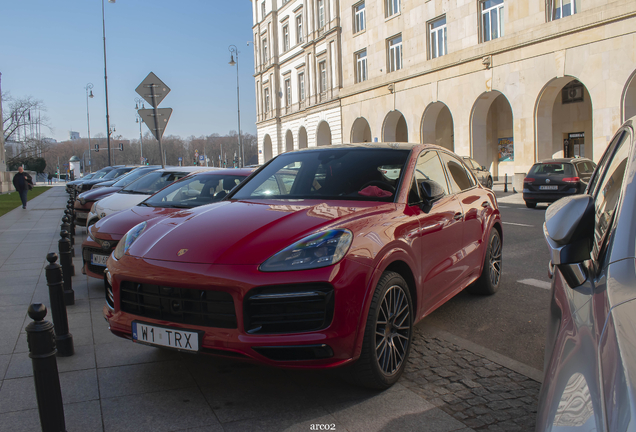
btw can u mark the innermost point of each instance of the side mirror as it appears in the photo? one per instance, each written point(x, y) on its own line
point(431, 190)
point(569, 232)
point(483, 168)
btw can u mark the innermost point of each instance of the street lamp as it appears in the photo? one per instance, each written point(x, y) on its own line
point(140, 102)
point(234, 51)
point(106, 80)
point(88, 88)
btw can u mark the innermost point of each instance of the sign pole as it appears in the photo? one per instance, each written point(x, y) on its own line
point(154, 107)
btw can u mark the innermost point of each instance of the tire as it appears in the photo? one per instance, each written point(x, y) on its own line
point(489, 183)
point(490, 278)
point(531, 204)
point(379, 368)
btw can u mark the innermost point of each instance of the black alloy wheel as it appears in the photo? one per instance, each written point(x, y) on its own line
point(490, 278)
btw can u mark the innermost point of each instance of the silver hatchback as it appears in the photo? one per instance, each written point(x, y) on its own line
point(590, 357)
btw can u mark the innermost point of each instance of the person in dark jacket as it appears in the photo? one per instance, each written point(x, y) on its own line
point(22, 182)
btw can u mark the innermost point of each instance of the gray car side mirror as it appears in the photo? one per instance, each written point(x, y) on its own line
point(569, 232)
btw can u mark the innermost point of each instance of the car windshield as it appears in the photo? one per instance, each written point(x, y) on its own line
point(552, 168)
point(99, 174)
point(364, 174)
point(151, 183)
point(116, 173)
point(88, 176)
point(132, 176)
point(195, 190)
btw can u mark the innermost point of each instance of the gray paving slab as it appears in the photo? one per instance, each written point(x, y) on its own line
point(298, 421)
point(158, 412)
point(143, 378)
point(122, 352)
point(4, 364)
point(79, 417)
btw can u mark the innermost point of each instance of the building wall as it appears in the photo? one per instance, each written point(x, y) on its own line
point(527, 66)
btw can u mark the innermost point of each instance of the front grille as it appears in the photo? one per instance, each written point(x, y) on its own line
point(288, 308)
point(178, 305)
point(86, 255)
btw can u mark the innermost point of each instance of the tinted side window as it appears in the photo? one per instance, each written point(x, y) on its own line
point(459, 178)
point(608, 193)
point(602, 165)
point(429, 167)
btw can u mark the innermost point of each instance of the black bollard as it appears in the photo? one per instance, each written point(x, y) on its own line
point(71, 221)
point(506, 183)
point(41, 342)
point(68, 269)
point(57, 296)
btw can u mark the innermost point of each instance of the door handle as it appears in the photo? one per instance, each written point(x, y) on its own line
point(485, 204)
point(458, 216)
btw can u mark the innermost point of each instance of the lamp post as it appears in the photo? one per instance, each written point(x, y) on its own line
point(234, 51)
point(138, 119)
point(88, 88)
point(106, 80)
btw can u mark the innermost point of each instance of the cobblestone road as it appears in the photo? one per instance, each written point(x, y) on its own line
point(483, 395)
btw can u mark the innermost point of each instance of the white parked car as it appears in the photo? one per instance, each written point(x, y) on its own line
point(139, 190)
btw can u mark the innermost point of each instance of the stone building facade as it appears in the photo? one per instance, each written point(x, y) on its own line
point(508, 82)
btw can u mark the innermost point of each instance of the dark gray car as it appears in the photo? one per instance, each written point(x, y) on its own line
point(480, 171)
point(590, 352)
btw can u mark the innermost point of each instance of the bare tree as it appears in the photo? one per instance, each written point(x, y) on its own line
point(22, 123)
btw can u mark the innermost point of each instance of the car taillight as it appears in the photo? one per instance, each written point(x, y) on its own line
point(528, 180)
point(572, 179)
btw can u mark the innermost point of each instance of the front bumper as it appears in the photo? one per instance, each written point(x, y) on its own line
point(241, 286)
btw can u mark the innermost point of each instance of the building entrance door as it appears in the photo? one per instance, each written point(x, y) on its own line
point(574, 145)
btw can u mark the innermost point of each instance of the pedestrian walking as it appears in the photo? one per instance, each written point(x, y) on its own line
point(50, 178)
point(23, 183)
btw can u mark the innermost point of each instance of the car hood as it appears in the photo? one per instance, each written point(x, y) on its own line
point(97, 194)
point(246, 232)
point(118, 224)
point(117, 202)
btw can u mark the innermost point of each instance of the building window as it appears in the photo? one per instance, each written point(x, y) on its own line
point(301, 87)
point(264, 48)
point(262, 11)
point(395, 53)
point(359, 18)
point(392, 7)
point(266, 99)
point(288, 93)
point(361, 66)
point(299, 29)
point(438, 37)
point(563, 8)
point(492, 19)
point(285, 38)
point(322, 66)
point(321, 13)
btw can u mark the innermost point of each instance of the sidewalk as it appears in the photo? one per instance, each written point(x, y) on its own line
point(112, 384)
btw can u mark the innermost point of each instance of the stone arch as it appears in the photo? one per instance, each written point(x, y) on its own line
point(360, 131)
point(491, 120)
point(438, 126)
point(557, 123)
point(289, 141)
point(323, 134)
point(267, 148)
point(395, 128)
point(628, 100)
point(302, 137)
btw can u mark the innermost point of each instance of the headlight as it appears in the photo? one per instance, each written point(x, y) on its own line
point(128, 239)
point(93, 208)
point(90, 233)
point(317, 250)
point(82, 201)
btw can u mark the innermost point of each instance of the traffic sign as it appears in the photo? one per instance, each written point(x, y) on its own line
point(201, 158)
point(152, 82)
point(163, 115)
point(180, 159)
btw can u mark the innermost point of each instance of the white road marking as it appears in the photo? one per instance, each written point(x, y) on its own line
point(536, 283)
point(504, 207)
point(518, 224)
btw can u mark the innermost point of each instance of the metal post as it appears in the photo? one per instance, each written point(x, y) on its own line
point(154, 109)
point(106, 84)
point(41, 342)
point(506, 183)
point(58, 297)
point(233, 49)
point(68, 269)
point(88, 87)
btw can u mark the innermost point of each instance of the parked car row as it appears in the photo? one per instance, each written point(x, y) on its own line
point(321, 258)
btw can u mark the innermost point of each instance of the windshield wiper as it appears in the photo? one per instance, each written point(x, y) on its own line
point(145, 204)
point(179, 206)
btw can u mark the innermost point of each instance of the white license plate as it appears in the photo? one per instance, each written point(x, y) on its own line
point(165, 336)
point(548, 187)
point(99, 260)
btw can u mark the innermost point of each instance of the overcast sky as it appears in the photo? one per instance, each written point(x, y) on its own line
point(50, 50)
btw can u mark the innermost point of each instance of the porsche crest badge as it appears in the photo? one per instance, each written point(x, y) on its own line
point(182, 252)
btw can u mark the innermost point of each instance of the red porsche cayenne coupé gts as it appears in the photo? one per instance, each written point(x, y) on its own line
point(325, 257)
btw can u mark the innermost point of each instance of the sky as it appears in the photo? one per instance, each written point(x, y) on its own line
point(51, 50)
